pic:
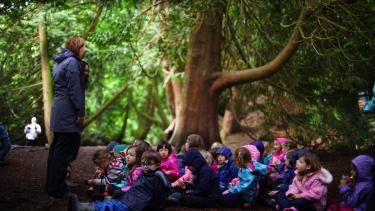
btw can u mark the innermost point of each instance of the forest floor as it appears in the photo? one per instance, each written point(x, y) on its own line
point(22, 182)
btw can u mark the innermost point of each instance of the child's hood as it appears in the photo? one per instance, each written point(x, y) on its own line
point(194, 158)
point(65, 53)
point(325, 176)
point(364, 165)
point(227, 152)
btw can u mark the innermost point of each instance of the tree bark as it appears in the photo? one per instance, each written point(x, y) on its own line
point(149, 109)
point(204, 79)
point(121, 134)
point(197, 112)
point(46, 76)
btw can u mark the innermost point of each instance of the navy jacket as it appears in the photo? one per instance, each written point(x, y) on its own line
point(286, 180)
point(69, 98)
point(148, 192)
point(228, 171)
point(205, 182)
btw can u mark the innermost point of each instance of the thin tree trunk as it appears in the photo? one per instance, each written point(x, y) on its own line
point(94, 22)
point(145, 124)
point(122, 132)
point(46, 77)
point(106, 105)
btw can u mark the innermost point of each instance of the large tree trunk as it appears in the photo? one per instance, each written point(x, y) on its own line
point(46, 77)
point(197, 112)
point(204, 79)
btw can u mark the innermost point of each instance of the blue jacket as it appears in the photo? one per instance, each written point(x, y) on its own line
point(4, 137)
point(69, 98)
point(360, 195)
point(247, 187)
point(148, 192)
point(370, 105)
point(205, 182)
point(228, 171)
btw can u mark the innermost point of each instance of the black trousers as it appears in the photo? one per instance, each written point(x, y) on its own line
point(63, 150)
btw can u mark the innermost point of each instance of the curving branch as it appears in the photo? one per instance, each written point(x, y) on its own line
point(223, 80)
point(94, 22)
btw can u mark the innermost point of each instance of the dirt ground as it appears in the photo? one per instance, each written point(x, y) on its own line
point(22, 182)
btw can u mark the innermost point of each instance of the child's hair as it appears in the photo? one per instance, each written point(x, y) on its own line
point(290, 144)
point(195, 141)
point(143, 145)
point(101, 156)
point(151, 156)
point(207, 156)
point(242, 157)
point(138, 153)
point(216, 145)
point(313, 161)
point(165, 145)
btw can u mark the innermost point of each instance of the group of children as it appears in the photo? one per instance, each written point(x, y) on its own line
point(289, 178)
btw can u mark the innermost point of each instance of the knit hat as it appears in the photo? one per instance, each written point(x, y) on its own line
point(281, 140)
point(120, 147)
point(259, 145)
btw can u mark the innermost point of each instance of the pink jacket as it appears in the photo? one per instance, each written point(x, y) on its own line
point(312, 187)
point(187, 177)
point(170, 165)
point(132, 177)
point(276, 159)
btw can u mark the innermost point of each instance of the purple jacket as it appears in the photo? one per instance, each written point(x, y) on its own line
point(312, 187)
point(359, 196)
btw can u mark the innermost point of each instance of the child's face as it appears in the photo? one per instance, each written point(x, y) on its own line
point(149, 166)
point(353, 172)
point(104, 165)
point(187, 146)
point(221, 158)
point(277, 146)
point(266, 150)
point(131, 156)
point(191, 168)
point(301, 165)
point(163, 152)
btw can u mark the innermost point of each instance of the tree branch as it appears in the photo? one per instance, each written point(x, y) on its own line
point(223, 80)
point(94, 22)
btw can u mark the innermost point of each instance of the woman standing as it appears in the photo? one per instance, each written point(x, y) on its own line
point(67, 116)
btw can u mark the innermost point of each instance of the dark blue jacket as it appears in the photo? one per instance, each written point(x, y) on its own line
point(69, 98)
point(286, 180)
point(205, 182)
point(228, 171)
point(148, 192)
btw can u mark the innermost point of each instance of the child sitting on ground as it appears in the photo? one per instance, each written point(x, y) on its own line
point(227, 169)
point(205, 187)
point(133, 163)
point(169, 163)
point(244, 191)
point(277, 158)
point(357, 189)
point(114, 169)
point(148, 193)
point(308, 190)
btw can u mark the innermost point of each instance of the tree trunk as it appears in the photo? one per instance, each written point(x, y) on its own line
point(204, 79)
point(148, 110)
point(121, 134)
point(46, 77)
point(197, 112)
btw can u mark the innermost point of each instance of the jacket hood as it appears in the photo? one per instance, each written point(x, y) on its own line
point(65, 53)
point(226, 152)
point(194, 158)
point(255, 154)
point(364, 165)
point(325, 176)
point(259, 145)
point(162, 177)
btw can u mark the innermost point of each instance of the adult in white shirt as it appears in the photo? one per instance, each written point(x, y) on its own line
point(32, 131)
